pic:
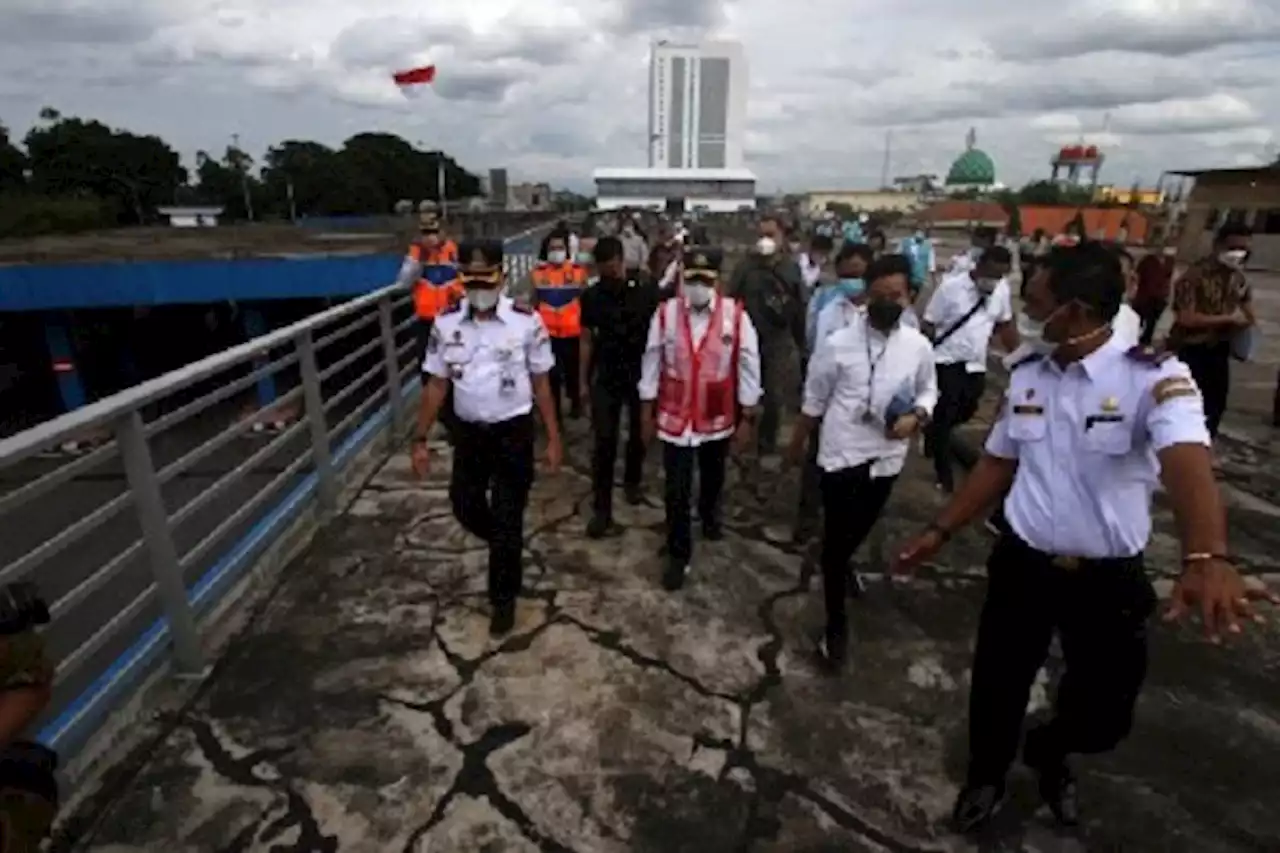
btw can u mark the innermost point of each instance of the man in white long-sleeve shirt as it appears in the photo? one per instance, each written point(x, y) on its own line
point(873, 386)
point(699, 387)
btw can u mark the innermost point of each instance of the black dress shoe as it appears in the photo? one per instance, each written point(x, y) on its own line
point(502, 620)
point(712, 531)
point(976, 806)
point(1056, 782)
point(1058, 790)
point(633, 494)
point(599, 527)
point(832, 650)
point(674, 575)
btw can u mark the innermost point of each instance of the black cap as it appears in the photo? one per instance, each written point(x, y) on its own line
point(480, 259)
point(702, 262)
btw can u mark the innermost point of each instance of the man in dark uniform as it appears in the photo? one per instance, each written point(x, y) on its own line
point(496, 357)
point(616, 313)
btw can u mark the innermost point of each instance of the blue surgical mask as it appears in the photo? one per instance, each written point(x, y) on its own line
point(851, 288)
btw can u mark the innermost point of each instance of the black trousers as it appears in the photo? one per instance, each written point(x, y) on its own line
point(489, 489)
point(449, 420)
point(852, 501)
point(565, 375)
point(608, 398)
point(810, 484)
point(1100, 611)
point(774, 352)
point(678, 464)
point(1211, 367)
point(959, 393)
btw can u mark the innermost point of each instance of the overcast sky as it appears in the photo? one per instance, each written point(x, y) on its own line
point(552, 88)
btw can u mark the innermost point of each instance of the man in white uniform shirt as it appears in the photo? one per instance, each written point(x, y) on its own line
point(984, 237)
point(961, 317)
point(496, 356)
point(699, 386)
point(872, 385)
point(1084, 433)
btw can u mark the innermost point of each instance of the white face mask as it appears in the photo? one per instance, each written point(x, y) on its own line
point(483, 299)
point(699, 295)
point(557, 256)
point(1233, 257)
point(766, 246)
point(1031, 332)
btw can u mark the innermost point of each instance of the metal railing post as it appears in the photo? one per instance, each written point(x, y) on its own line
point(139, 468)
point(326, 486)
point(391, 362)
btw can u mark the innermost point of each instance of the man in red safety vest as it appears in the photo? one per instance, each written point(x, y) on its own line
point(699, 386)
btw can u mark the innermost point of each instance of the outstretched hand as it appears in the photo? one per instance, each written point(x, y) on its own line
point(916, 551)
point(1221, 595)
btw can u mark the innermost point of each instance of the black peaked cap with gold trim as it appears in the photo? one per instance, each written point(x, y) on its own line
point(703, 262)
point(480, 259)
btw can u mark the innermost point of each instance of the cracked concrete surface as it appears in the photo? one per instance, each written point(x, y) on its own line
point(368, 710)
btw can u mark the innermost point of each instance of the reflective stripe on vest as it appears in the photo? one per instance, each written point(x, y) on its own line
point(438, 287)
point(698, 385)
point(558, 288)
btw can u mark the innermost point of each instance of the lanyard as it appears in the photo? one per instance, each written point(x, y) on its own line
point(867, 417)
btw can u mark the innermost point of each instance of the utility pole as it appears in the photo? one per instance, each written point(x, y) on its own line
point(244, 175)
point(884, 169)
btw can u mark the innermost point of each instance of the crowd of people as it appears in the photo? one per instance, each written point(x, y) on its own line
point(893, 350)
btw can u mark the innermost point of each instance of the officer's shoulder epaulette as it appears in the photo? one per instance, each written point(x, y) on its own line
point(521, 308)
point(1148, 355)
point(1034, 358)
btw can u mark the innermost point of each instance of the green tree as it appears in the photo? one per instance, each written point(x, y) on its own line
point(223, 182)
point(13, 164)
point(82, 173)
point(71, 156)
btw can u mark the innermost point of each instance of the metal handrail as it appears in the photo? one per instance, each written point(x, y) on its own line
point(353, 366)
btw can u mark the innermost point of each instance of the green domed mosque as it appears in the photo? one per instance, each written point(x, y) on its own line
point(972, 170)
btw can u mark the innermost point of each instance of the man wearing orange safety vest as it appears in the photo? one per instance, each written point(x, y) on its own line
point(558, 282)
point(432, 262)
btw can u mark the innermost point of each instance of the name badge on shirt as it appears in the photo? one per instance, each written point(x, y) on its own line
point(1092, 420)
point(1028, 409)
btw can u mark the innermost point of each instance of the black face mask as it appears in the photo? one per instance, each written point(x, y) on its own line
point(883, 313)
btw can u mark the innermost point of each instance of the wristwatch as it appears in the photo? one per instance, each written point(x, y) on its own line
point(921, 415)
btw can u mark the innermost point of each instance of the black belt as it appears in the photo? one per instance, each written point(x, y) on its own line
point(1070, 563)
point(499, 426)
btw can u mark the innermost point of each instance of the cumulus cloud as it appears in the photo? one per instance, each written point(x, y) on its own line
point(552, 88)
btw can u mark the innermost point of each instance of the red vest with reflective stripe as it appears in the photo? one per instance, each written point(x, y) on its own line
point(558, 288)
point(698, 385)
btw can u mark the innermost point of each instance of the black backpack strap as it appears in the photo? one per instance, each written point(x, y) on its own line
point(955, 327)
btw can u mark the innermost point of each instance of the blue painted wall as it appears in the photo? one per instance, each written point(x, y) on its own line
point(111, 285)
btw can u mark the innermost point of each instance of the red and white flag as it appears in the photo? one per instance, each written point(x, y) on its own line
point(412, 81)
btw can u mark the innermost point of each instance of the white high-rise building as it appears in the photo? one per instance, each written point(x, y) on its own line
point(697, 130)
point(697, 105)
